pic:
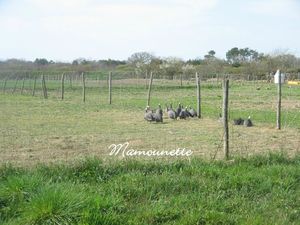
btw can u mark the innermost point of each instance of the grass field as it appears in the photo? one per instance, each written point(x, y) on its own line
point(34, 130)
point(256, 190)
point(56, 168)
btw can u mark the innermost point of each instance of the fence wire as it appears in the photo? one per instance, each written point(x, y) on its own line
point(256, 99)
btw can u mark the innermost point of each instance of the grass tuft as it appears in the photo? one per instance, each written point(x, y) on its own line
point(242, 191)
point(55, 204)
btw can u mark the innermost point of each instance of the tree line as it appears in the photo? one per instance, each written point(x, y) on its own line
point(238, 61)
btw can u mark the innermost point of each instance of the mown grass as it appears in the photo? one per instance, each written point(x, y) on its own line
point(131, 94)
point(36, 130)
point(256, 190)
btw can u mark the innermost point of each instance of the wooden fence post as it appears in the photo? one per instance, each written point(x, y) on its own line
point(62, 86)
point(34, 85)
point(180, 79)
point(225, 117)
point(109, 87)
point(22, 85)
point(99, 80)
point(146, 79)
point(198, 96)
point(279, 102)
point(137, 78)
point(83, 87)
point(4, 86)
point(44, 87)
point(15, 87)
point(149, 88)
point(70, 77)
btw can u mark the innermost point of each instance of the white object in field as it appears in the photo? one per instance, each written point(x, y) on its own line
point(276, 77)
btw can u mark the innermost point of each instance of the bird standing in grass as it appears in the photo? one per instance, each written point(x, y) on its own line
point(192, 112)
point(171, 112)
point(186, 111)
point(248, 122)
point(158, 115)
point(238, 121)
point(183, 114)
point(220, 119)
point(149, 116)
point(178, 110)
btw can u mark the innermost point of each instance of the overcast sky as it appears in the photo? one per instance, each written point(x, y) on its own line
point(99, 29)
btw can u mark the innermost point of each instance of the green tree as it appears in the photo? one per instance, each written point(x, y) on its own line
point(41, 62)
point(232, 56)
point(75, 63)
point(172, 66)
point(210, 55)
point(236, 56)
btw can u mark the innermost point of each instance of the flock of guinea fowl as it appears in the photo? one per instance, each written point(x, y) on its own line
point(183, 113)
point(179, 113)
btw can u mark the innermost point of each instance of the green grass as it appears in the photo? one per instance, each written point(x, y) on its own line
point(256, 190)
point(36, 130)
point(245, 99)
point(259, 186)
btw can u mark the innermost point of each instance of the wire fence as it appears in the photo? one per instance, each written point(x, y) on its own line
point(245, 96)
point(255, 98)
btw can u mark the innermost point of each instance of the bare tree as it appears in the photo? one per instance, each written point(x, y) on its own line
point(143, 62)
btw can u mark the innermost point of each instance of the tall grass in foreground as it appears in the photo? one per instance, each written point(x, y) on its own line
point(257, 190)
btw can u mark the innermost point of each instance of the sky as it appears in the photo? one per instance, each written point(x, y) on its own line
point(64, 30)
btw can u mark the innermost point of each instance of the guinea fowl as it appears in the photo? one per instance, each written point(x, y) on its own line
point(171, 112)
point(238, 121)
point(167, 108)
point(248, 122)
point(178, 110)
point(149, 116)
point(158, 115)
point(183, 114)
point(192, 112)
point(220, 119)
point(186, 111)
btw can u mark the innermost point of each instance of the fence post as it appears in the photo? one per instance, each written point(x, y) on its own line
point(15, 87)
point(4, 86)
point(225, 117)
point(149, 88)
point(70, 77)
point(279, 102)
point(62, 86)
point(34, 85)
point(83, 87)
point(44, 87)
point(22, 86)
point(146, 79)
point(137, 79)
point(198, 95)
point(109, 87)
point(180, 79)
point(99, 83)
